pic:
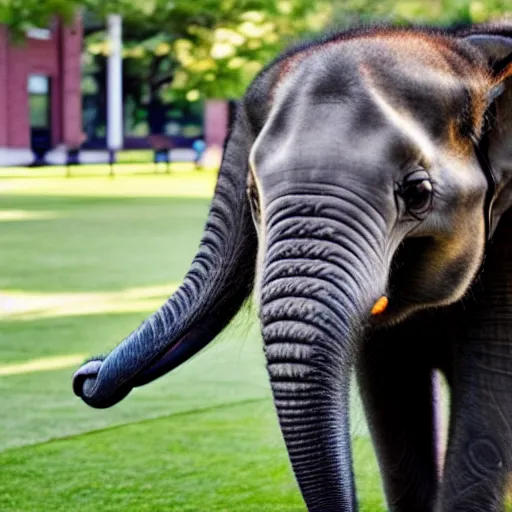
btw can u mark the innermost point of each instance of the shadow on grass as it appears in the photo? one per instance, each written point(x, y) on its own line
point(42, 406)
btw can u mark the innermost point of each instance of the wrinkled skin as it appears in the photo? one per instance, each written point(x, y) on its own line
point(365, 158)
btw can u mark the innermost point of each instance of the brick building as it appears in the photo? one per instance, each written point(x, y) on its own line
point(40, 98)
point(42, 105)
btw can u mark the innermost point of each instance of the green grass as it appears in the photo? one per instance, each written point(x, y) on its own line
point(83, 262)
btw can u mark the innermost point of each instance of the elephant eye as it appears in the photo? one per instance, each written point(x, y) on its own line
point(417, 192)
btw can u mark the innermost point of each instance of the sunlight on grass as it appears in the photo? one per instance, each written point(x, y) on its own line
point(42, 364)
point(168, 186)
point(22, 305)
point(98, 170)
point(196, 184)
point(16, 215)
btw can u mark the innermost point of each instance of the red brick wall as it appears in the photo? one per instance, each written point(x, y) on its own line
point(43, 55)
point(71, 73)
point(59, 58)
point(215, 122)
point(18, 135)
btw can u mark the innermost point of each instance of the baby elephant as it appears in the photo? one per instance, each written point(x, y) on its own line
point(365, 197)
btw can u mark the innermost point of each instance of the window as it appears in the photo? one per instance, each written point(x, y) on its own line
point(43, 34)
point(39, 101)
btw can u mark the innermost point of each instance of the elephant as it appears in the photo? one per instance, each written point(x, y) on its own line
point(364, 201)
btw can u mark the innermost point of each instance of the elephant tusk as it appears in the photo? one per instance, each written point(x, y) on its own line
point(380, 306)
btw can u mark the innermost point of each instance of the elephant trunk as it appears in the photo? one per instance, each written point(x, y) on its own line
point(323, 272)
point(218, 282)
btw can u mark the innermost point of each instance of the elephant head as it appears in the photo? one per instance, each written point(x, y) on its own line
point(369, 164)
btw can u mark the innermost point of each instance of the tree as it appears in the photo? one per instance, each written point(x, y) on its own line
point(178, 53)
point(213, 48)
point(21, 15)
point(209, 47)
point(439, 12)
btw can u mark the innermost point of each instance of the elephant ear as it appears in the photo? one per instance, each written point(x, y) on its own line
point(496, 144)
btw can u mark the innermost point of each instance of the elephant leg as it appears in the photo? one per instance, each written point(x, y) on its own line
point(396, 385)
point(479, 457)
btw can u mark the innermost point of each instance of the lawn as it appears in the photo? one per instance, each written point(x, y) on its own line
point(83, 261)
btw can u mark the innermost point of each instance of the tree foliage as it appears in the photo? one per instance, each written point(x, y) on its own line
point(212, 48)
point(21, 15)
point(440, 12)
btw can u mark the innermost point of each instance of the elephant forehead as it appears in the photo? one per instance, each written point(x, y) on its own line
point(359, 129)
point(320, 135)
point(400, 53)
point(348, 98)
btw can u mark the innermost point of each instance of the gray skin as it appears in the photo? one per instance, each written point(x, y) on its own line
point(365, 161)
